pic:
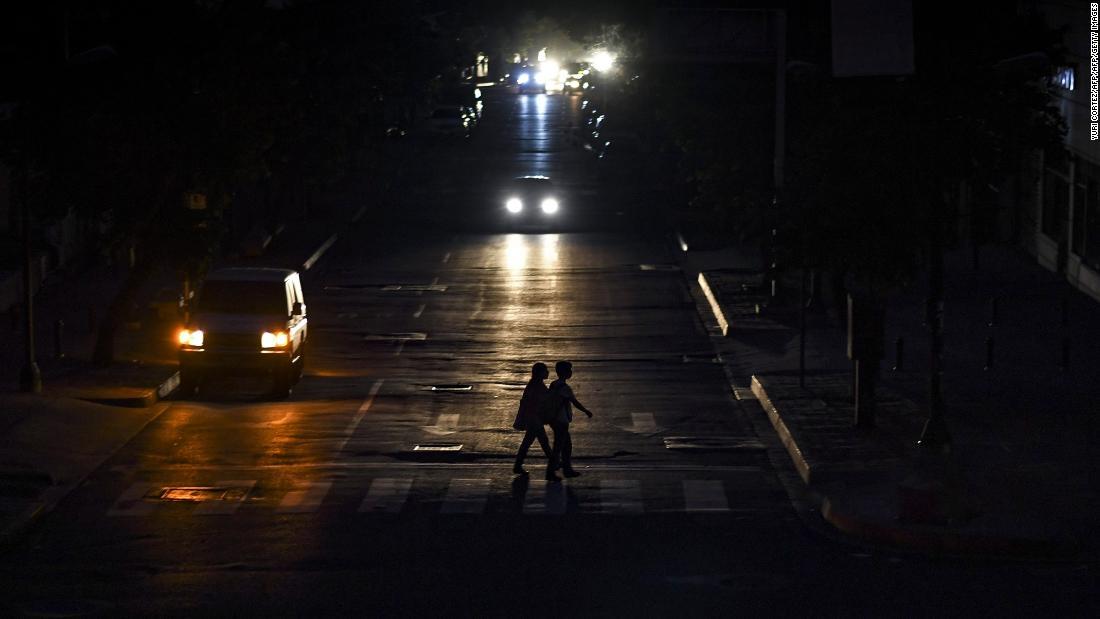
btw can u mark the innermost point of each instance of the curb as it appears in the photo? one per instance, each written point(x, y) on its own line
point(145, 400)
point(805, 471)
point(723, 324)
point(945, 542)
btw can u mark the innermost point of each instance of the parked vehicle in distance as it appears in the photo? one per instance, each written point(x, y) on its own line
point(449, 120)
point(249, 320)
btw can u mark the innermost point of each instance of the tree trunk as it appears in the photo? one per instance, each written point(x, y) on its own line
point(104, 352)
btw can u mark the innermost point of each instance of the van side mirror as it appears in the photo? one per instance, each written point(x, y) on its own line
point(297, 309)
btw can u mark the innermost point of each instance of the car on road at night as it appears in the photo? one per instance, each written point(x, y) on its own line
point(450, 120)
point(532, 201)
point(530, 82)
point(249, 320)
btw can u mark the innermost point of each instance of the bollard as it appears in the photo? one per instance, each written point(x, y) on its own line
point(899, 354)
point(58, 332)
point(1065, 353)
point(992, 311)
point(989, 353)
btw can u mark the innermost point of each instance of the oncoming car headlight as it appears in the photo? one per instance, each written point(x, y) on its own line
point(274, 340)
point(191, 337)
point(514, 205)
point(523, 78)
point(549, 206)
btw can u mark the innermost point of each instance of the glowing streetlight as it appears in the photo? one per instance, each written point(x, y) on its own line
point(602, 61)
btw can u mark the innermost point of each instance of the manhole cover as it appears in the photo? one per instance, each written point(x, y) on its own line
point(712, 443)
point(452, 388)
point(395, 337)
point(658, 267)
point(198, 494)
point(438, 447)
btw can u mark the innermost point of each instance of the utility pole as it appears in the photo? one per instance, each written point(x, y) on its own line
point(30, 378)
point(780, 148)
point(935, 435)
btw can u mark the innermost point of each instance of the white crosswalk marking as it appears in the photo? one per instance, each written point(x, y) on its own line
point(237, 493)
point(620, 496)
point(131, 502)
point(446, 424)
point(466, 496)
point(705, 495)
point(387, 494)
point(305, 499)
point(545, 498)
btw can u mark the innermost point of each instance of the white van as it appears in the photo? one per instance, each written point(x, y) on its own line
point(246, 319)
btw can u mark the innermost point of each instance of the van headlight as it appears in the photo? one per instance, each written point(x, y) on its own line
point(549, 206)
point(277, 339)
point(514, 205)
point(191, 337)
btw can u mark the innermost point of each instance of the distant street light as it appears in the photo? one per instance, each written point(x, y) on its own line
point(602, 61)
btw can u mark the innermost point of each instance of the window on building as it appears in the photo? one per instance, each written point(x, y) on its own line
point(1063, 78)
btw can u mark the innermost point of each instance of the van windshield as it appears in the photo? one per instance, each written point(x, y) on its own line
point(228, 297)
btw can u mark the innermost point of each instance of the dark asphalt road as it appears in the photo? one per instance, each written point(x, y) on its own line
point(326, 508)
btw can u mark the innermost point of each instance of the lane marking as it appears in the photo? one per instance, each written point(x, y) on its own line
point(466, 496)
point(446, 257)
point(705, 495)
point(545, 497)
point(387, 495)
point(132, 503)
point(307, 498)
point(420, 310)
point(240, 489)
point(363, 408)
point(446, 423)
point(620, 496)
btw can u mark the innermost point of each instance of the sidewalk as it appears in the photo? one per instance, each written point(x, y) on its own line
point(1018, 482)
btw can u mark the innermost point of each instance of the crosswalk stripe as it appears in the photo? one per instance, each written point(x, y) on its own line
point(239, 489)
point(705, 495)
point(545, 498)
point(131, 502)
point(387, 494)
point(447, 423)
point(466, 496)
point(620, 496)
point(305, 499)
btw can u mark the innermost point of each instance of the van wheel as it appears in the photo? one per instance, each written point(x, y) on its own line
point(189, 383)
point(281, 382)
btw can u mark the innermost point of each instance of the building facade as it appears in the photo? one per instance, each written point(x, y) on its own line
point(1061, 212)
